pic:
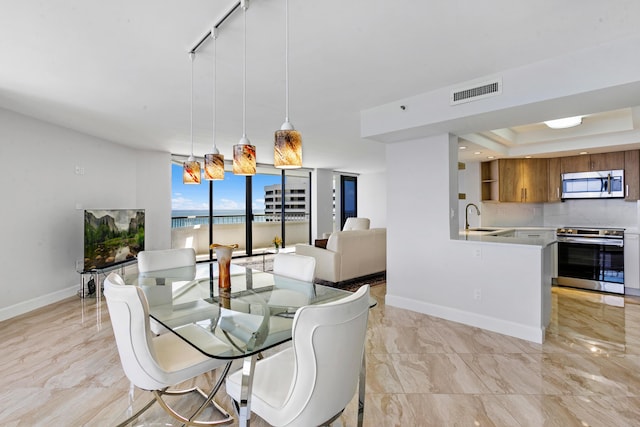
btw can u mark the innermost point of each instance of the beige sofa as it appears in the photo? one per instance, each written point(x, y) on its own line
point(349, 254)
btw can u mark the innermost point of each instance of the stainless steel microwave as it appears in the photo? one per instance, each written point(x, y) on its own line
point(591, 185)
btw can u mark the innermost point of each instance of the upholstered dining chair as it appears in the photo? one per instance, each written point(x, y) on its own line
point(165, 258)
point(299, 267)
point(156, 363)
point(311, 382)
point(290, 293)
point(157, 260)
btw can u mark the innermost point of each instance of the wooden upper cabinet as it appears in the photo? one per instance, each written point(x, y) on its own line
point(575, 164)
point(523, 180)
point(511, 180)
point(535, 174)
point(555, 180)
point(632, 175)
point(593, 162)
point(540, 180)
point(607, 161)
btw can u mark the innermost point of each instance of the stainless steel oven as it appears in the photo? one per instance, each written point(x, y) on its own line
point(591, 258)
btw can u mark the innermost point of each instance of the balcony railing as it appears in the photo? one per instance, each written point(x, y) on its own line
point(193, 231)
point(190, 221)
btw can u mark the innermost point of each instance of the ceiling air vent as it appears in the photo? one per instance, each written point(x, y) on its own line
point(476, 92)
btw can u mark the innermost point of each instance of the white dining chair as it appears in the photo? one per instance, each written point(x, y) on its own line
point(299, 267)
point(164, 259)
point(158, 260)
point(291, 293)
point(156, 363)
point(311, 382)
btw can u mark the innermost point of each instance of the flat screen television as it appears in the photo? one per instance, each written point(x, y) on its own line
point(112, 236)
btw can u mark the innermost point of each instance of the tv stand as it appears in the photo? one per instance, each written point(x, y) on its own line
point(95, 273)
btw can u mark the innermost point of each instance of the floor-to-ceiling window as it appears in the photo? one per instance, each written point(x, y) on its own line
point(246, 210)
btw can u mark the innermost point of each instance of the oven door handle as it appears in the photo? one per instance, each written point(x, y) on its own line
point(592, 241)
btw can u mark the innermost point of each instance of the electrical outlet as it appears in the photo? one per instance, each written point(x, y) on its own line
point(477, 253)
point(477, 294)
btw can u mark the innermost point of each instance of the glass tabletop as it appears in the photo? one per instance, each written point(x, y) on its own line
point(256, 314)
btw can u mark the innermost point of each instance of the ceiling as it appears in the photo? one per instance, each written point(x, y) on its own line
point(120, 69)
point(593, 135)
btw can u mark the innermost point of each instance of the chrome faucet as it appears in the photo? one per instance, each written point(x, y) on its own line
point(466, 214)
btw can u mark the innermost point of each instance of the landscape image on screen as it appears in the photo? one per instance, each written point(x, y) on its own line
point(112, 236)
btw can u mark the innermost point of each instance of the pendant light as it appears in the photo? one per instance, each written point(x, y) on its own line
point(191, 168)
point(287, 153)
point(244, 154)
point(214, 161)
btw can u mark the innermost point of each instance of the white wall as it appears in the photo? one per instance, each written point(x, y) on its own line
point(429, 272)
point(372, 198)
point(469, 184)
point(44, 198)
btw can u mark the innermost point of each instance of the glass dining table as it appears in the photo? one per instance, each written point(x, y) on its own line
point(255, 315)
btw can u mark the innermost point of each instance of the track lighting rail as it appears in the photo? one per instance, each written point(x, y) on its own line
point(206, 37)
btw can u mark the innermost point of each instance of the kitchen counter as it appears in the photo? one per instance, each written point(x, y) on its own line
point(532, 236)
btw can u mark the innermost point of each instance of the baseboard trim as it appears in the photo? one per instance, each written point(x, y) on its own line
point(632, 291)
point(38, 302)
point(482, 321)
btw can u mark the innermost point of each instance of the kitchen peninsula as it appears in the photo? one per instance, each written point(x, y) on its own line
point(512, 270)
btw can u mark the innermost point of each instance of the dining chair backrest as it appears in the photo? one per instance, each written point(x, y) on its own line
point(295, 266)
point(129, 315)
point(165, 259)
point(328, 344)
point(155, 363)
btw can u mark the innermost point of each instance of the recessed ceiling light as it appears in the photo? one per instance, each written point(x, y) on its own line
point(491, 157)
point(567, 122)
point(462, 147)
point(478, 152)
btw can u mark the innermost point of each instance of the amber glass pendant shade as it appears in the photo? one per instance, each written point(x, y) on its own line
point(213, 167)
point(287, 153)
point(191, 172)
point(244, 159)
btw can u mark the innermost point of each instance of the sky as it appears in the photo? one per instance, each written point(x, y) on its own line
point(228, 194)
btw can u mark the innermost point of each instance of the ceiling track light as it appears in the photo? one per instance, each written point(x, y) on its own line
point(191, 168)
point(244, 154)
point(214, 161)
point(287, 152)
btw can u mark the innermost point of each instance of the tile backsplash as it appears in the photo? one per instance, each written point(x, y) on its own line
point(594, 213)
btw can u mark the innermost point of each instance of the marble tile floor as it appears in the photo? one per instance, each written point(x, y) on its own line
point(59, 367)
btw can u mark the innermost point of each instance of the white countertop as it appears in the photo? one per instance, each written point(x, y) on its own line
point(506, 235)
